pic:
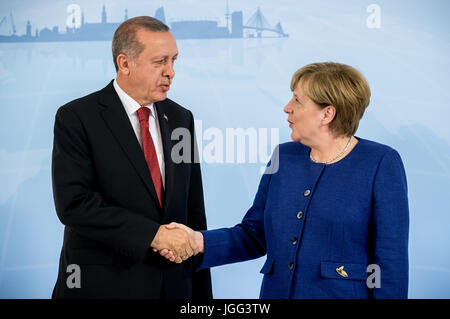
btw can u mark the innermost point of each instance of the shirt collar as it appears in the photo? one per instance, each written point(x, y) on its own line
point(130, 105)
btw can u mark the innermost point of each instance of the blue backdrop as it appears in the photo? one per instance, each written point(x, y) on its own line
point(233, 71)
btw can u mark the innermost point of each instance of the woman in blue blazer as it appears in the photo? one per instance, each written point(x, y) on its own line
point(331, 211)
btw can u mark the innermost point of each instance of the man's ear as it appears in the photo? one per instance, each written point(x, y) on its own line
point(328, 114)
point(123, 63)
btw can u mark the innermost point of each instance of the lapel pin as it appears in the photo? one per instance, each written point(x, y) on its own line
point(165, 117)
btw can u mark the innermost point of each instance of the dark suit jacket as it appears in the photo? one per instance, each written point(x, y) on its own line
point(104, 195)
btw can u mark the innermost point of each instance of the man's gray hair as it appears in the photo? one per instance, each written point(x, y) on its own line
point(125, 40)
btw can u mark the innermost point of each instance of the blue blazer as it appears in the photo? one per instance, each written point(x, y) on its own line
point(322, 225)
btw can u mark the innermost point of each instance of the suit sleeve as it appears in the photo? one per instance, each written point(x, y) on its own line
point(79, 206)
point(390, 227)
point(244, 241)
point(201, 280)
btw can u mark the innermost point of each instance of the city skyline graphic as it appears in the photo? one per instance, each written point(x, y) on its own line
point(257, 26)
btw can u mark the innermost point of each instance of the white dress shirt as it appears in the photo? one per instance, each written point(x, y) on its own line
point(131, 107)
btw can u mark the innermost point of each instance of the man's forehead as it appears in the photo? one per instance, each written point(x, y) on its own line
point(164, 42)
point(144, 34)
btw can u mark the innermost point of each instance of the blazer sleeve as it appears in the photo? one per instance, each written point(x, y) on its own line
point(201, 280)
point(390, 227)
point(79, 206)
point(244, 241)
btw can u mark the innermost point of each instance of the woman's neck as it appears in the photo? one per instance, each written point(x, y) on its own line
point(331, 149)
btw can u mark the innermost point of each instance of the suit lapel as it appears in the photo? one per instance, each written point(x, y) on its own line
point(118, 122)
point(166, 131)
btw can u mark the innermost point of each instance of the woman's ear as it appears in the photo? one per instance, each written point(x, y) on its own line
point(328, 114)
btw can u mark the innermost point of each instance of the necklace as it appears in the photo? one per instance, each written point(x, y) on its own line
point(334, 158)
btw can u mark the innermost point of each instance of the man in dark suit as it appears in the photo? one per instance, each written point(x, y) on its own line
point(116, 181)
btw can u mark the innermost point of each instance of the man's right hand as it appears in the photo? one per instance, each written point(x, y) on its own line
point(175, 240)
point(195, 238)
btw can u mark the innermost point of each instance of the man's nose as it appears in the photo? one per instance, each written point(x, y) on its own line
point(169, 70)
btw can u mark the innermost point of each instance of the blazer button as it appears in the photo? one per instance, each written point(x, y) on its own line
point(306, 193)
point(291, 266)
point(300, 215)
point(294, 241)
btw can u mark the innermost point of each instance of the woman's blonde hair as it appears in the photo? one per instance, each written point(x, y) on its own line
point(340, 85)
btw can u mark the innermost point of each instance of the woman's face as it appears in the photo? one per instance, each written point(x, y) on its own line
point(304, 116)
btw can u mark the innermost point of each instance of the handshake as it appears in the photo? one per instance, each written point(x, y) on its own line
point(177, 242)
